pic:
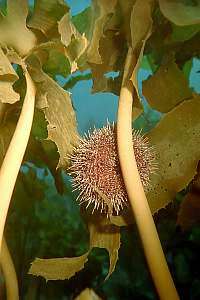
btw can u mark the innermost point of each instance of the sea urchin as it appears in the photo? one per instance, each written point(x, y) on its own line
point(96, 173)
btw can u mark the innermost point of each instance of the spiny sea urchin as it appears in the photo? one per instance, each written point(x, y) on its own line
point(96, 173)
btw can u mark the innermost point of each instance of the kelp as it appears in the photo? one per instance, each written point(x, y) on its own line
point(48, 42)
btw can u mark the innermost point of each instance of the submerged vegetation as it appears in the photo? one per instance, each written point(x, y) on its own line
point(40, 145)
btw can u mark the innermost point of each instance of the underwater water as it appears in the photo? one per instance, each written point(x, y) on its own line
point(45, 219)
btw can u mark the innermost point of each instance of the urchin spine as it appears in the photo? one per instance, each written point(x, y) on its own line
point(96, 172)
